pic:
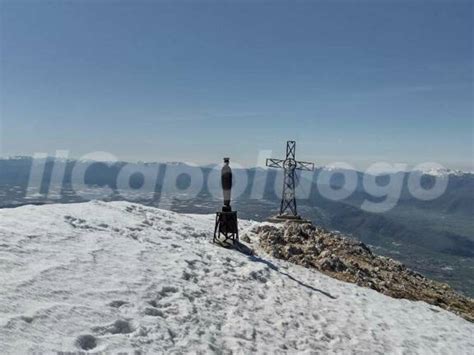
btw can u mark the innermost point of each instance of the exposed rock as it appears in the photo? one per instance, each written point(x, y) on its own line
point(246, 239)
point(352, 261)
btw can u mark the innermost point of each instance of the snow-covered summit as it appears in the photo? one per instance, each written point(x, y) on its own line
point(123, 277)
point(443, 172)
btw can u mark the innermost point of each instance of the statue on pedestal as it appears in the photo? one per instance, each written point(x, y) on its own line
point(226, 220)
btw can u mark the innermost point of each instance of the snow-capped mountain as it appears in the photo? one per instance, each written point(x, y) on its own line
point(443, 172)
point(119, 276)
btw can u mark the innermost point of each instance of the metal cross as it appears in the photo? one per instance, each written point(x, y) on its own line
point(289, 166)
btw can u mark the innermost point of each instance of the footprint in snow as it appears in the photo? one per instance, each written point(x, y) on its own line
point(117, 303)
point(86, 342)
point(151, 311)
point(189, 276)
point(167, 290)
point(120, 326)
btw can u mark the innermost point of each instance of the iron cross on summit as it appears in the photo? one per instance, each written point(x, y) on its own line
point(289, 166)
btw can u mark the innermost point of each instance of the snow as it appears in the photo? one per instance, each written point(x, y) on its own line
point(442, 172)
point(140, 278)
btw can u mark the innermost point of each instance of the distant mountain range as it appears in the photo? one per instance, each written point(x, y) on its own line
point(433, 237)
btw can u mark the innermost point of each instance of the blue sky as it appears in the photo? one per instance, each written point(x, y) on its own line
point(353, 81)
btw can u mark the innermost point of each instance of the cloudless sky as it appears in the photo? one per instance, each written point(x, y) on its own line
point(353, 81)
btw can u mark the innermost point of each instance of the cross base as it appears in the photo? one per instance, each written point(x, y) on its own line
point(282, 218)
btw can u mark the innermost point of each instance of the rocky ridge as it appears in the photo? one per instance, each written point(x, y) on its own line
point(352, 261)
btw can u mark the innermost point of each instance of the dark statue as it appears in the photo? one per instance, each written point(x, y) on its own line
point(226, 182)
point(226, 220)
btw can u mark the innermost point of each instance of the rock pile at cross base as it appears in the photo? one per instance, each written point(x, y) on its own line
point(352, 261)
